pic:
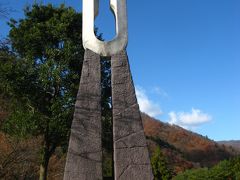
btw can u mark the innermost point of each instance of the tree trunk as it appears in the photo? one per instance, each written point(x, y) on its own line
point(44, 166)
point(44, 163)
point(43, 172)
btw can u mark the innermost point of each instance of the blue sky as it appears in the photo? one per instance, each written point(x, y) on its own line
point(184, 56)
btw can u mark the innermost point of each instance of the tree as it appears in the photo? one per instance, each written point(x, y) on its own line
point(227, 169)
point(159, 166)
point(17, 158)
point(41, 76)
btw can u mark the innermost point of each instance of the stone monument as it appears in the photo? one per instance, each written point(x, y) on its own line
point(131, 157)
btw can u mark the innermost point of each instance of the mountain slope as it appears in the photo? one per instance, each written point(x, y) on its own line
point(184, 149)
point(181, 148)
point(235, 144)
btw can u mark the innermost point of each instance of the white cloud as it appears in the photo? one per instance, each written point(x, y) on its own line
point(146, 105)
point(159, 91)
point(189, 120)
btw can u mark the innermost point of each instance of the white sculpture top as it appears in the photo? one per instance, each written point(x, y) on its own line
point(105, 48)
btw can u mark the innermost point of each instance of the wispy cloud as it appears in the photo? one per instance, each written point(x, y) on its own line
point(189, 120)
point(161, 92)
point(146, 104)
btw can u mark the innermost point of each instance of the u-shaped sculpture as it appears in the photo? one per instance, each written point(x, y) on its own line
point(85, 151)
point(90, 41)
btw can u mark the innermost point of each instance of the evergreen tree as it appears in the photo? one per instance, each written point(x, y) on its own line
point(159, 166)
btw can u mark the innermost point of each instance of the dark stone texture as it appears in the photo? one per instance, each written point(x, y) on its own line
point(131, 157)
point(84, 158)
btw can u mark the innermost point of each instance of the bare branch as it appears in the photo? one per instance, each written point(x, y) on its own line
point(5, 11)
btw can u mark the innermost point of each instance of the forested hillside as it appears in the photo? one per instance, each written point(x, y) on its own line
point(177, 145)
point(235, 144)
point(227, 169)
point(184, 149)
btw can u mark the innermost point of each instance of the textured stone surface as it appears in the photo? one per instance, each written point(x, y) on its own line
point(131, 157)
point(84, 158)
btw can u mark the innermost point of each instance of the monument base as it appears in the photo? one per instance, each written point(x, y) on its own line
point(131, 157)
